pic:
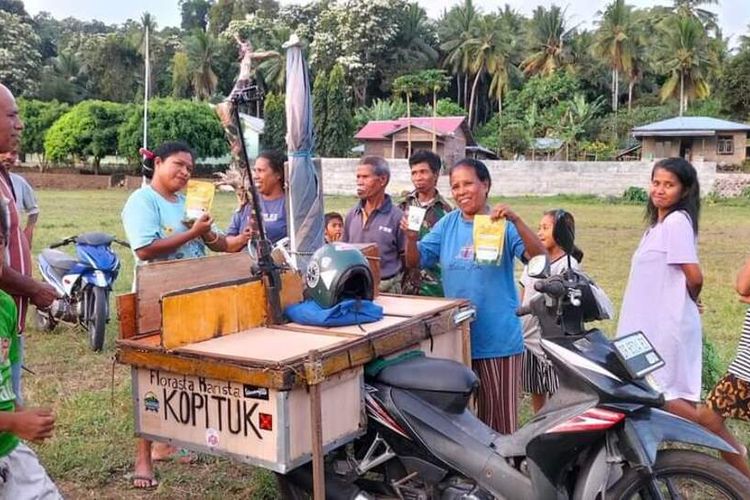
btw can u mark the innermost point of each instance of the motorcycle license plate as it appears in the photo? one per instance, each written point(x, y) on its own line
point(637, 354)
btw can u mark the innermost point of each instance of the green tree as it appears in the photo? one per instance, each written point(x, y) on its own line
point(113, 66)
point(686, 58)
point(194, 14)
point(201, 50)
point(338, 131)
point(456, 27)
point(490, 53)
point(89, 129)
point(274, 113)
point(448, 107)
point(414, 46)
point(548, 36)
point(65, 79)
point(615, 43)
point(359, 35)
point(173, 119)
point(180, 75)
point(320, 108)
point(380, 109)
point(14, 7)
point(514, 140)
point(38, 117)
point(20, 59)
point(735, 86)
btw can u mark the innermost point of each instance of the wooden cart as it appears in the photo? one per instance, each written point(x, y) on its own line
point(210, 374)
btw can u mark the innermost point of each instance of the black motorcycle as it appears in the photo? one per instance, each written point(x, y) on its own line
point(601, 436)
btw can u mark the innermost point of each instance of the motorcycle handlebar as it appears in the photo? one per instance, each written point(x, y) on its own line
point(64, 242)
point(554, 288)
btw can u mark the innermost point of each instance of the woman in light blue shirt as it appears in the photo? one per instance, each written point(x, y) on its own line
point(153, 218)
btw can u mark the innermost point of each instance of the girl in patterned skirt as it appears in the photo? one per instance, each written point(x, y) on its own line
point(730, 398)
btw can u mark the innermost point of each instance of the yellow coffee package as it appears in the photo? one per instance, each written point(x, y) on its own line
point(489, 238)
point(200, 197)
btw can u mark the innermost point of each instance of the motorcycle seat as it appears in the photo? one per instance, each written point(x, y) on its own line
point(94, 239)
point(430, 374)
point(59, 261)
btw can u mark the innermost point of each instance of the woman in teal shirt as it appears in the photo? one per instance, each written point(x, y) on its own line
point(153, 219)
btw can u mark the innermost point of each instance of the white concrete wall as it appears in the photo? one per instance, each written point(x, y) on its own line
point(522, 178)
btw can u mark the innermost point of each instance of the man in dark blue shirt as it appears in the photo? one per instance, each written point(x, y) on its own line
point(375, 219)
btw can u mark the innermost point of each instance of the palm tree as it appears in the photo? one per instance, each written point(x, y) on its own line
point(686, 57)
point(407, 85)
point(456, 27)
point(489, 53)
point(548, 35)
point(413, 47)
point(692, 8)
point(432, 81)
point(272, 71)
point(202, 48)
point(615, 42)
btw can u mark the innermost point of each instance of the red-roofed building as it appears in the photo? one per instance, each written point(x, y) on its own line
point(390, 138)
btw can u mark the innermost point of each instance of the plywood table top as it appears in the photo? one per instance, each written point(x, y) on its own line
point(268, 345)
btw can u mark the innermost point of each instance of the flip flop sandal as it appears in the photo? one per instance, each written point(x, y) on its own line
point(151, 481)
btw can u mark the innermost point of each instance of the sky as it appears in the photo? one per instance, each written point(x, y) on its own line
point(734, 15)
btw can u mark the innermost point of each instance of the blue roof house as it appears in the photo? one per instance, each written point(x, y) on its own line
point(695, 138)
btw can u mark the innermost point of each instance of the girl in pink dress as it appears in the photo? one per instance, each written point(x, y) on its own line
point(661, 298)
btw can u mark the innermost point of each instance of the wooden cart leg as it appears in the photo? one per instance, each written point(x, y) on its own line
point(314, 375)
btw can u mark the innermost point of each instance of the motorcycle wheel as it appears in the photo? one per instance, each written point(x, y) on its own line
point(44, 322)
point(684, 474)
point(98, 308)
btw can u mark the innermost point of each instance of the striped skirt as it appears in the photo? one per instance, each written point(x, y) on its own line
point(499, 391)
point(538, 375)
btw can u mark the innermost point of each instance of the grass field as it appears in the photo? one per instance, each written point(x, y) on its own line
point(92, 452)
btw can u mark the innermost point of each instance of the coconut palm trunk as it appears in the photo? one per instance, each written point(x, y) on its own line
point(682, 92)
point(471, 101)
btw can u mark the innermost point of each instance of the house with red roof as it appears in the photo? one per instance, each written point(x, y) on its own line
point(390, 138)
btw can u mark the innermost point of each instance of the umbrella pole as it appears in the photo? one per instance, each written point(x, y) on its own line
point(266, 264)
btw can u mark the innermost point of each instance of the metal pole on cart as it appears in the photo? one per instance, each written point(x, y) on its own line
point(266, 264)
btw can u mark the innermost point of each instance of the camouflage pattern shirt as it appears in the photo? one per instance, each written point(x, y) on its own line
point(425, 282)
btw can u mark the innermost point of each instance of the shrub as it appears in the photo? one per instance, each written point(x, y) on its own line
point(635, 194)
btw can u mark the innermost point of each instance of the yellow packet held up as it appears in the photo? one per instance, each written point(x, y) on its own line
point(200, 197)
point(489, 238)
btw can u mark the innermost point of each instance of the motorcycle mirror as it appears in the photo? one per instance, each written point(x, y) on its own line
point(564, 231)
point(538, 266)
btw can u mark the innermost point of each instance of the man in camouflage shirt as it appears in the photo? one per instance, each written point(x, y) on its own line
point(425, 171)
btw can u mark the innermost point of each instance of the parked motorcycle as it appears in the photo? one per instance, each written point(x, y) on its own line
point(600, 436)
point(84, 283)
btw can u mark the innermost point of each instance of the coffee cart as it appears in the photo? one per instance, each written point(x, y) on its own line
point(211, 374)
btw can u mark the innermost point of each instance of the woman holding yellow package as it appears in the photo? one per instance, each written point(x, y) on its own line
point(159, 226)
point(475, 247)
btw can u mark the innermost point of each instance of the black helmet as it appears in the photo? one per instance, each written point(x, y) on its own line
point(338, 271)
